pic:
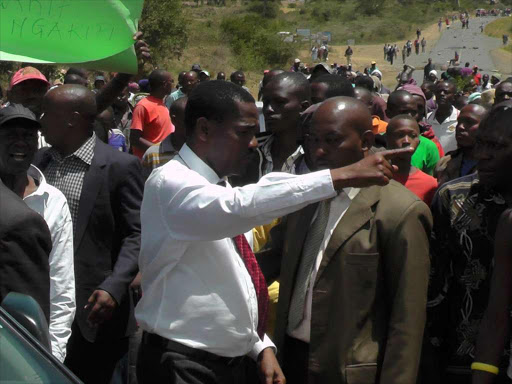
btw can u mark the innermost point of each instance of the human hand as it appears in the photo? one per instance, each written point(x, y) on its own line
point(103, 306)
point(268, 368)
point(372, 170)
point(136, 289)
point(141, 49)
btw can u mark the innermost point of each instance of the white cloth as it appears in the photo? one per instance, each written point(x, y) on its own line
point(197, 290)
point(339, 207)
point(51, 204)
point(288, 166)
point(445, 131)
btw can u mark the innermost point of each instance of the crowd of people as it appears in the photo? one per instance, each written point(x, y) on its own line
point(341, 232)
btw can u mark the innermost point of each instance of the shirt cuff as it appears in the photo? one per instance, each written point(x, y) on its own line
point(260, 346)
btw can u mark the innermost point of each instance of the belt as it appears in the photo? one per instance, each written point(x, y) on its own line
point(170, 345)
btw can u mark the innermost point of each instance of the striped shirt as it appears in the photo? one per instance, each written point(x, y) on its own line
point(158, 154)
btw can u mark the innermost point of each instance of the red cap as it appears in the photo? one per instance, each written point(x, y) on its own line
point(27, 73)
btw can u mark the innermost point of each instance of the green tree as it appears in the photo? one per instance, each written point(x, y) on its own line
point(164, 28)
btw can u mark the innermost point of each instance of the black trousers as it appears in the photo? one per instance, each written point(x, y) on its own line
point(93, 363)
point(295, 361)
point(167, 362)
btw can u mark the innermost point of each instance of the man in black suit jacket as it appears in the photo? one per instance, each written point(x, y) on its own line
point(25, 246)
point(104, 191)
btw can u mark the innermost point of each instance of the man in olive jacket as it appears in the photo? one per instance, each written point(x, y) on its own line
point(354, 270)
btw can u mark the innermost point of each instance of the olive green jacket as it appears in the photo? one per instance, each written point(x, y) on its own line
point(370, 293)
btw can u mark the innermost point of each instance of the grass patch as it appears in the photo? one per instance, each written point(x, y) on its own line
point(499, 28)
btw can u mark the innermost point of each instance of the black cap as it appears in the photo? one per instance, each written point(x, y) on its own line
point(196, 67)
point(16, 111)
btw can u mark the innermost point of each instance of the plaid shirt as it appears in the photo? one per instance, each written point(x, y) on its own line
point(268, 165)
point(67, 174)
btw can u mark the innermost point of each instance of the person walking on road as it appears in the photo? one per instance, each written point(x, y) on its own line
point(417, 46)
point(418, 33)
point(404, 53)
point(423, 45)
point(440, 24)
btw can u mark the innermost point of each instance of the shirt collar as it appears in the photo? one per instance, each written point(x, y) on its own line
point(351, 192)
point(84, 153)
point(167, 145)
point(267, 145)
point(454, 115)
point(196, 164)
point(37, 175)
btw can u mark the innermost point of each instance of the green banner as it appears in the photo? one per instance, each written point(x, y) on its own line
point(97, 33)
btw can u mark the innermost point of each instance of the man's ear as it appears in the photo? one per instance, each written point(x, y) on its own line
point(367, 141)
point(305, 104)
point(75, 120)
point(203, 129)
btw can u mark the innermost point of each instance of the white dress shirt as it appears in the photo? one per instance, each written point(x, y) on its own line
point(339, 206)
point(197, 290)
point(51, 204)
point(445, 131)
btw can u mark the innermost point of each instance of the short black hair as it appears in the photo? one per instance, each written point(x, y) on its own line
point(235, 74)
point(395, 97)
point(157, 79)
point(499, 114)
point(72, 78)
point(214, 100)
point(364, 82)
point(298, 81)
point(336, 86)
point(393, 121)
point(82, 72)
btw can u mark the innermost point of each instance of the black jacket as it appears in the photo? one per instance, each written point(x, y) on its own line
point(107, 237)
point(25, 245)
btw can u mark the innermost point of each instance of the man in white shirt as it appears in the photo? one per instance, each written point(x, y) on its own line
point(200, 311)
point(444, 118)
point(18, 145)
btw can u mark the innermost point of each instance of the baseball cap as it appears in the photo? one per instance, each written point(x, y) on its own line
point(27, 73)
point(99, 78)
point(16, 111)
point(206, 73)
point(374, 62)
point(296, 61)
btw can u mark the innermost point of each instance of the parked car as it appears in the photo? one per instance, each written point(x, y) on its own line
point(25, 354)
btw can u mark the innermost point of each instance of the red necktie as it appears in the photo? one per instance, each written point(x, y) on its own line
point(260, 285)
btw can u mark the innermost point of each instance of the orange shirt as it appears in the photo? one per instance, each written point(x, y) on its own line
point(379, 126)
point(151, 116)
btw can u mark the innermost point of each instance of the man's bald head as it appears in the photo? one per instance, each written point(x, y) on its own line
point(72, 98)
point(68, 117)
point(189, 82)
point(347, 112)
point(364, 96)
point(401, 103)
point(341, 133)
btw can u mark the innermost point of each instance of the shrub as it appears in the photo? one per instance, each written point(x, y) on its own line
point(255, 42)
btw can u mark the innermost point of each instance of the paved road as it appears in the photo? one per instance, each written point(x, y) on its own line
point(472, 45)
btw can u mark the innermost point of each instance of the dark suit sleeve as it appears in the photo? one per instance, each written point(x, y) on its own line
point(406, 271)
point(128, 198)
point(25, 245)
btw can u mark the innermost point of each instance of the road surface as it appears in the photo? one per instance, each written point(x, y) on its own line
point(472, 45)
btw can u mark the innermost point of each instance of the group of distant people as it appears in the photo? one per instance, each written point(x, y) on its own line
point(362, 237)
